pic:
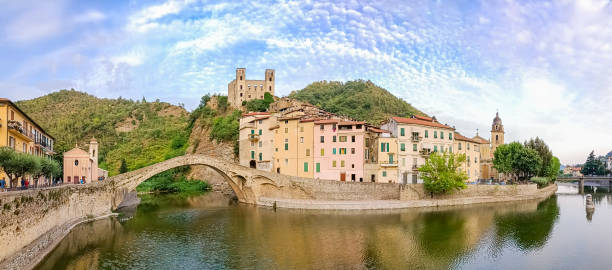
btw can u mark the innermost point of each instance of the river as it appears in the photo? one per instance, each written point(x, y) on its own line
point(211, 232)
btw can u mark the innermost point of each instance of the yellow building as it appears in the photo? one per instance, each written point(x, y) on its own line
point(471, 149)
point(256, 140)
point(487, 149)
point(20, 132)
point(293, 147)
point(387, 159)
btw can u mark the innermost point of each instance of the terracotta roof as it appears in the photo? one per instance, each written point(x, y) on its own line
point(327, 121)
point(76, 152)
point(309, 120)
point(352, 123)
point(378, 130)
point(480, 139)
point(289, 118)
point(259, 118)
point(420, 117)
point(460, 137)
point(255, 113)
point(416, 121)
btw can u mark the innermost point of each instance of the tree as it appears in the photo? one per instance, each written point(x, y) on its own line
point(204, 100)
point(260, 105)
point(20, 165)
point(593, 166)
point(49, 168)
point(516, 160)
point(555, 168)
point(545, 154)
point(123, 168)
point(441, 173)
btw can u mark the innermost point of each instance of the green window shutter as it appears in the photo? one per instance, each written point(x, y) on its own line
point(305, 166)
point(252, 131)
point(435, 134)
point(387, 147)
point(252, 154)
point(318, 167)
point(260, 132)
point(402, 132)
point(426, 134)
point(441, 135)
point(260, 156)
point(382, 147)
point(435, 148)
point(390, 158)
point(286, 146)
point(450, 136)
point(403, 147)
point(414, 147)
point(384, 173)
point(334, 151)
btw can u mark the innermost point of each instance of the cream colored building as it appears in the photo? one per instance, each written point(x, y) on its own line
point(256, 140)
point(293, 147)
point(81, 166)
point(487, 149)
point(417, 137)
point(471, 149)
point(388, 171)
point(240, 89)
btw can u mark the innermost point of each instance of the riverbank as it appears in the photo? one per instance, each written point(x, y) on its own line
point(400, 204)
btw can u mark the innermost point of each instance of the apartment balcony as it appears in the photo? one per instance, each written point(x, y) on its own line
point(416, 138)
point(16, 129)
point(415, 168)
point(254, 137)
point(425, 152)
point(388, 163)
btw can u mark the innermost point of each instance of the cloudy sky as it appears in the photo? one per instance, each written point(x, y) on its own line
point(545, 66)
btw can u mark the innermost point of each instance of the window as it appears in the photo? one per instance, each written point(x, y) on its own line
point(342, 138)
point(322, 152)
point(301, 139)
point(450, 149)
point(301, 129)
point(76, 163)
point(435, 148)
point(252, 154)
point(11, 142)
point(12, 115)
point(353, 151)
point(318, 167)
point(270, 88)
point(322, 127)
point(260, 156)
point(286, 146)
point(468, 146)
point(286, 122)
point(450, 136)
point(390, 158)
point(402, 132)
point(367, 154)
point(402, 147)
point(414, 147)
point(260, 121)
point(334, 139)
point(334, 163)
point(307, 152)
point(342, 163)
point(352, 138)
point(286, 161)
point(384, 173)
point(342, 151)
point(260, 143)
point(260, 132)
point(252, 131)
point(334, 150)
point(367, 142)
point(468, 161)
point(435, 134)
point(305, 166)
point(441, 135)
point(322, 139)
point(241, 78)
point(426, 134)
point(403, 161)
point(496, 138)
point(286, 130)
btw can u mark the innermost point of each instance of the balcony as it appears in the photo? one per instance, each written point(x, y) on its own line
point(425, 152)
point(416, 138)
point(388, 163)
point(415, 167)
point(16, 129)
point(254, 137)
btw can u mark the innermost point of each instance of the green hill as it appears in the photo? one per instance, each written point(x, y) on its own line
point(360, 100)
point(140, 132)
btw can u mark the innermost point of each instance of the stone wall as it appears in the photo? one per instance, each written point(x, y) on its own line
point(417, 191)
point(34, 221)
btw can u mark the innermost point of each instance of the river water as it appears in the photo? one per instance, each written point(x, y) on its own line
point(211, 232)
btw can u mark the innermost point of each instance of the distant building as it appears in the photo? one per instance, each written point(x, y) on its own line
point(471, 149)
point(81, 166)
point(487, 149)
point(240, 89)
point(20, 132)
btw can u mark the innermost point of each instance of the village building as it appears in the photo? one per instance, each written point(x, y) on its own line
point(256, 140)
point(241, 90)
point(487, 149)
point(81, 167)
point(471, 149)
point(417, 137)
point(20, 132)
point(293, 147)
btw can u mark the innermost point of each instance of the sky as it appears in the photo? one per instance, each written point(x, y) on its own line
point(545, 66)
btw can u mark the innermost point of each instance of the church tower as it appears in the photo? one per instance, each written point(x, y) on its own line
point(497, 133)
point(93, 155)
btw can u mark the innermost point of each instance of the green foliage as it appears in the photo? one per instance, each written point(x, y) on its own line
point(441, 173)
point(222, 103)
point(360, 100)
point(75, 117)
point(593, 166)
point(123, 168)
point(17, 165)
point(555, 168)
point(541, 181)
point(516, 160)
point(260, 105)
point(225, 128)
point(173, 181)
point(204, 100)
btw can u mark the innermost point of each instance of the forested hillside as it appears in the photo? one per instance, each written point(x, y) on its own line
point(360, 100)
point(140, 132)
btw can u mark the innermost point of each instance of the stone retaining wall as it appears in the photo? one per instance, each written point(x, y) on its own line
point(32, 221)
point(417, 191)
point(350, 191)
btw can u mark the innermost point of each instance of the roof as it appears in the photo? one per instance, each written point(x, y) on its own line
point(76, 152)
point(327, 121)
point(420, 117)
point(289, 118)
point(255, 113)
point(416, 121)
point(460, 137)
point(259, 118)
point(6, 100)
point(351, 123)
point(480, 139)
point(378, 130)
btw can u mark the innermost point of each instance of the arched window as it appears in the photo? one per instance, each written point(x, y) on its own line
point(496, 137)
point(76, 163)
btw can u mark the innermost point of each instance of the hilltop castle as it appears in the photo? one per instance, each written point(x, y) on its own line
point(240, 89)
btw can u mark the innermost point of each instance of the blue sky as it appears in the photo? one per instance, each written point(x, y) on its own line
point(546, 66)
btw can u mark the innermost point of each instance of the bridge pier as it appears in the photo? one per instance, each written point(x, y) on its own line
point(581, 185)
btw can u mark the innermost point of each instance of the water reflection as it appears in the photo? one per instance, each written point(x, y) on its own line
point(212, 232)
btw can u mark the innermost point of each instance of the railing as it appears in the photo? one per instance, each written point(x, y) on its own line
point(12, 124)
point(388, 163)
point(425, 152)
point(415, 167)
point(254, 137)
point(416, 138)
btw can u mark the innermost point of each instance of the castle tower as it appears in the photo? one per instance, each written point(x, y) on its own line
point(269, 82)
point(497, 133)
point(240, 89)
point(93, 155)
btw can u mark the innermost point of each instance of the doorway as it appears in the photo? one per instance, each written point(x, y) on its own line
point(342, 177)
point(405, 178)
point(414, 178)
point(253, 164)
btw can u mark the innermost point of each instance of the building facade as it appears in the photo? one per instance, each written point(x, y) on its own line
point(293, 147)
point(417, 137)
point(488, 147)
point(471, 149)
point(339, 150)
point(240, 89)
point(257, 140)
point(20, 132)
point(81, 167)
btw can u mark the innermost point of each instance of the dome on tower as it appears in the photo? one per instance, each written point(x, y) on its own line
point(497, 123)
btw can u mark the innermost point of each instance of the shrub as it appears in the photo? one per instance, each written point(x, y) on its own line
point(541, 181)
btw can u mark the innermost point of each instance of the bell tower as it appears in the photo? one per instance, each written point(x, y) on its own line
point(93, 155)
point(497, 133)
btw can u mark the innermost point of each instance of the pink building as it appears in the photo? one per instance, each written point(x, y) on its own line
point(80, 166)
point(339, 150)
